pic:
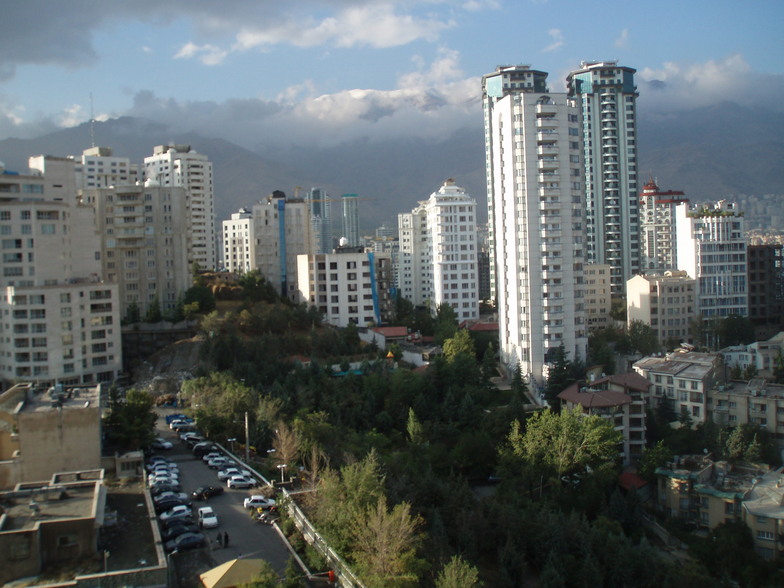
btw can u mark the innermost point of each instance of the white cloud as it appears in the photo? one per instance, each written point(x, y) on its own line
point(72, 116)
point(207, 54)
point(477, 5)
point(623, 39)
point(557, 36)
point(147, 49)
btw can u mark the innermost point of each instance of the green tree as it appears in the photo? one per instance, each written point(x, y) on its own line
point(446, 323)
point(643, 338)
point(734, 330)
point(458, 573)
point(133, 314)
point(652, 458)
point(750, 372)
point(559, 377)
point(265, 578)
point(154, 314)
point(256, 288)
point(460, 346)
point(202, 295)
point(567, 442)
point(130, 423)
point(415, 430)
point(489, 363)
point(778, 368)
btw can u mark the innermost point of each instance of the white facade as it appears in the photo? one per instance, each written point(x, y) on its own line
point(607, 97)
point(320, 207)
point(537, 207)
point(657, 223)
point(178, 165)
point(438, 256)
point(347, 286)
point(100, 168)
point(60, 322)
point(350, 219)
point(711, 247)
point(239, 250)
point(666, 302)
point(598, 299)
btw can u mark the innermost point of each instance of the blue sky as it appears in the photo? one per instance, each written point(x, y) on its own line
point(326, 71)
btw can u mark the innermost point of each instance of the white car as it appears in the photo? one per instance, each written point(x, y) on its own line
point(178, 512)
point(160, 443)
point(207, 518)
point(227, 473)
point(241, 482)
point(218, 462)
point(258, 501)
point(211, 455)
point(163, 479)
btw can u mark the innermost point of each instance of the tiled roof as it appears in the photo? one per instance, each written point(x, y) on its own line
point(592, 398)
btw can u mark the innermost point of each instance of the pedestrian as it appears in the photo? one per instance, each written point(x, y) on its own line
point(220, 540)
point(225, 539)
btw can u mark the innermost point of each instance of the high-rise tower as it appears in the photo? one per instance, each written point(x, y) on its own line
point(606, 95)
point(319, 207)
point(351, 219)
point(657, 227)
point(536, 204)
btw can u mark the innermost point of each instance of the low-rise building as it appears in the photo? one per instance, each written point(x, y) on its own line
point(761, 355)
point(666, 302)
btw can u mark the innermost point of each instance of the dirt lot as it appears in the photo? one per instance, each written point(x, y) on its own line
point(130, 540)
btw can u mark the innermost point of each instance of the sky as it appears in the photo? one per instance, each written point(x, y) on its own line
point(321, 72)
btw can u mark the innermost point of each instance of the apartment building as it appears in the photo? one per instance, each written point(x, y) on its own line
point(666, 302)
point(438, 256)
point(756, 402)
point(766, 288)
point(100, 168)
point(239, 251)
point(535, 174)
point(598, 296)
point(347, 286)
point(711, 247)
point(350, 219)
point(181, 166)
point(657, 224)
point(320, 210)
point(607, 97)
point(761, 355)
point(620, 398)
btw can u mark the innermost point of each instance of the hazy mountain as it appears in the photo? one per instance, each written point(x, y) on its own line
point(710, 153)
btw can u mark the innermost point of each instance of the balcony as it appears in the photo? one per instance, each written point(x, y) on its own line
point(550, 109)
point(547, 149)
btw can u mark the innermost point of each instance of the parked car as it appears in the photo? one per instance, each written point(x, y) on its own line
point(227, 473)
point(219, 462)
point(182, 427)
point(194, 440)
point(177, 528)
point(258, 501)
point(170, 503)
point(185, 541)
point(241, 482)
point(166, 468)
point(169, 495)
point(175, 417)
point(211, 455)
point(159, 443)
point(178, 512)
point(157, 460)
point(157, 479)
point(207, 517)
point(157, 489)
point(178, 422)
point(205, 492)
point(202, 449)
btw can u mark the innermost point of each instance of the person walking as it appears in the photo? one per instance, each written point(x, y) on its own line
point(225, 539)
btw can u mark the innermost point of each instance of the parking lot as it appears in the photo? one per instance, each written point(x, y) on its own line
point(247, 538)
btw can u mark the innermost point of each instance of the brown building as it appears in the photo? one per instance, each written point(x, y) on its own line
point(766, 288)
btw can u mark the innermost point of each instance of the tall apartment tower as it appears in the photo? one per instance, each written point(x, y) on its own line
point(100, 168)
point(351, 219)
point(766, 288)
point(239, 250)
point(606, 95)
point(438, 255)
point(657, 224)
point(506, 80)
point(536, 204)
point(61, 321)
point(319, 208)
point(712, 249)
point(179, 165)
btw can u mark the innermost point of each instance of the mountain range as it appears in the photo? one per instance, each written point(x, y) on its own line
point(723, 151)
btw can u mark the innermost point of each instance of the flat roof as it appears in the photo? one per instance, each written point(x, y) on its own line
point(29, 506)
point(67, 398)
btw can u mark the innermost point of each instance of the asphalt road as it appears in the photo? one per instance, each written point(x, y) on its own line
point(247, 538)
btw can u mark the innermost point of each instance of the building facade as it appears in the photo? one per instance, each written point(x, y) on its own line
point(598, 297)
point(350, 204)
point(607, 97)
point(239, 251)
point(537, 225)
point(319, 208)
point(666, 302)
point(766, 288)
point(657, 223)
point(712, 249)
point(179, 165)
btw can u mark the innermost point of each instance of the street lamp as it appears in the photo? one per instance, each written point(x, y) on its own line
point(232, 440)
point(282, 468)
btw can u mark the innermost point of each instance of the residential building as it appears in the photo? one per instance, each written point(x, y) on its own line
point(319, 208)
point(712, 249)
point(657, 224)
point(753, 402)
point(179, 165)
point(708, 494)
point(620, 398)
point(666, 302)
point(143, 231)
point(761, 356)
point(347, 286)
point(536, 206)
point(239, 246)
point(100, 168)
point(598, 296)
point(438, 258)
point(607, 97)
point(281, 232)
point(61, 322)
point(683, 380)
point(351, 219)
point(766, 288)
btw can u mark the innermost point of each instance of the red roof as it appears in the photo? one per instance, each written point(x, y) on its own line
point(483, 327)
point(591, 398)
point(629, 380)
point(628, 480)
point(392, 331)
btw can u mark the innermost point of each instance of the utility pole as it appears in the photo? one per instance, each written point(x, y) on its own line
point(247, 440)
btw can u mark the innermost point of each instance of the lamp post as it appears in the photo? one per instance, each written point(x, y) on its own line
point(282, 468)
point(247, 440)
point(232, 440)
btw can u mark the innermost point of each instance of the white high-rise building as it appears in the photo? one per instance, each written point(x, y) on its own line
point(100, 168)
point(657, 223)
point(60, 321)
point(179, 165)
point(712, 248)
point(319, 208)
point(438, 252)
point(239, 247)
point(350, 219)
point(536, 205)
point(606, 95)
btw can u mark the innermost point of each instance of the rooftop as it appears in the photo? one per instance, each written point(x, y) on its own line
point(61, 397)
point(580, 393)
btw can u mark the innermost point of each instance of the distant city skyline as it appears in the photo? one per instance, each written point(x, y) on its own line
point(327, 72)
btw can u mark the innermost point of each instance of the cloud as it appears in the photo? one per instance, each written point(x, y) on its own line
point(623, 39)
point(557, 36)
point(683, 86)
point(207, 54)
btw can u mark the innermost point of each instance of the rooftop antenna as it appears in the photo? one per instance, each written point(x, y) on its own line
point(92, 122)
